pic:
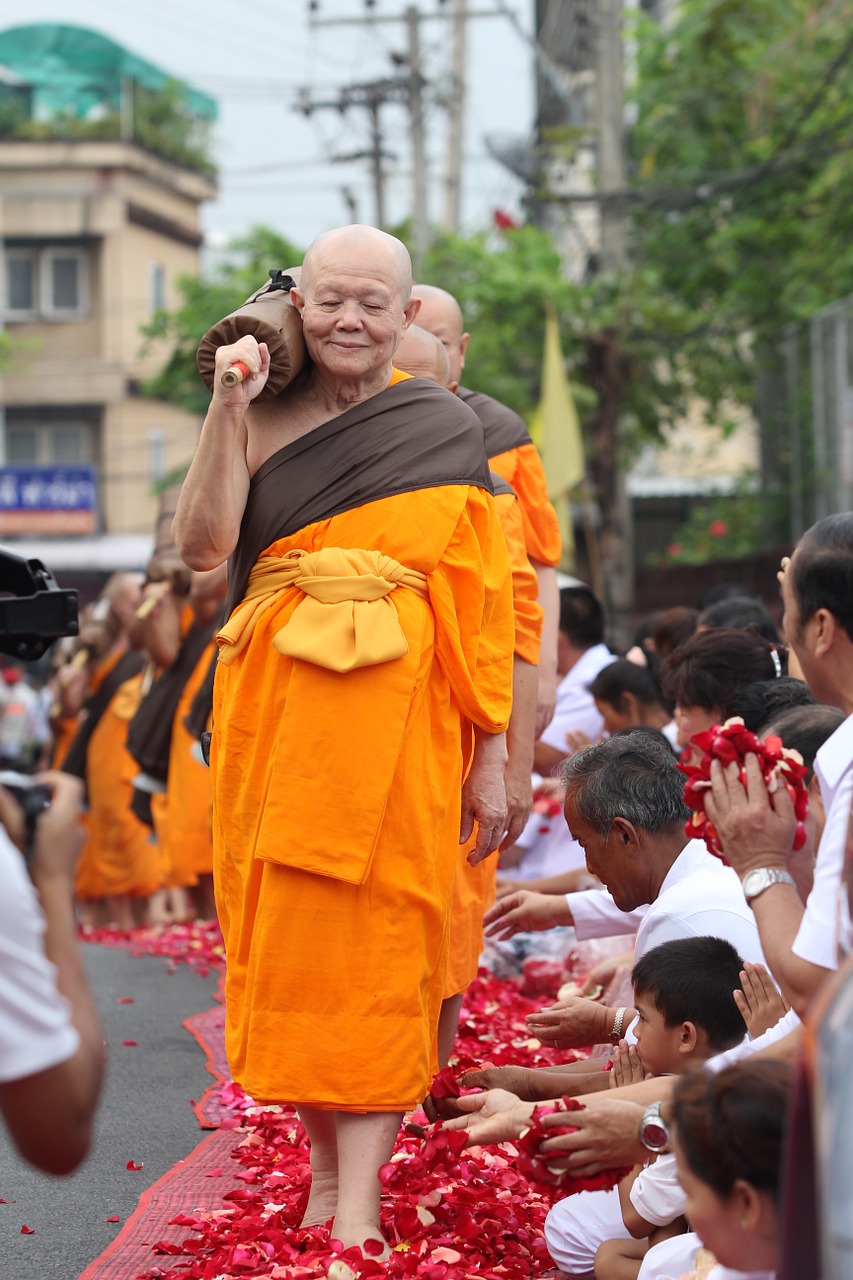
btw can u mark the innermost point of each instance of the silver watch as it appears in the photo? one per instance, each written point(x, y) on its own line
point(755, 882)
point(654, 1130)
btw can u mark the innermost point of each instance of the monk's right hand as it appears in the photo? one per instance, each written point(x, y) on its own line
point(256, 357)
point(524, 911)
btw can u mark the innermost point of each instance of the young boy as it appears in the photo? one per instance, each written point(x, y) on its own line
point(684, 998)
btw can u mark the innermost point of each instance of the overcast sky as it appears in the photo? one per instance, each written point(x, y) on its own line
point(254, 57)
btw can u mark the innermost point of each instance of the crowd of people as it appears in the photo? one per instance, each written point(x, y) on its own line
point(387, 722)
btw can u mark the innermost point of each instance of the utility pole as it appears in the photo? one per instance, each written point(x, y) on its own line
point(369, 97)
point(610, 118)
point(455, 118)
point(420, 210)
point(412, 18)
point(615, 534)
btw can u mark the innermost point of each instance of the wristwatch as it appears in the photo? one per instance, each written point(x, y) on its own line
point(618, 1026)
point(654, 1130)
point(755, 882)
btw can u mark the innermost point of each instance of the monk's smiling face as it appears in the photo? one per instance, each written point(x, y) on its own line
point(355, 302)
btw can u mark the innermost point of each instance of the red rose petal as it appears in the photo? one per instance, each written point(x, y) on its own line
point(114, 1218)
point(129, 1042)
point(28, 1231)
point(133, 1167)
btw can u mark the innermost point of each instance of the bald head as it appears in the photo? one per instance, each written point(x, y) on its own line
point(441, 314)
point(422, 355)
point(358, 247)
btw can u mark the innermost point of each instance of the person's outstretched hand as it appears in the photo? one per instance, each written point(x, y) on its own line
point(570, 1024)
point(756, 829)
point(606, 1135)
point(523, 911)
point(495, 1116)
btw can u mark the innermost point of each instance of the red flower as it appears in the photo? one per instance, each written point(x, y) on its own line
point(546, 1168)
point(718, 528)
point(731, 743)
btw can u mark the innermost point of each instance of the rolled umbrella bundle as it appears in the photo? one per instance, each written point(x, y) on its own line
point(270, 317)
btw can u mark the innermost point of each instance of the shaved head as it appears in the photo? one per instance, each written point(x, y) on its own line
point(422, 355)
point(361, 246)
point(441, 314)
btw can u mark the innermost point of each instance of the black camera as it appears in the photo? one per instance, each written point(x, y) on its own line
point(34, 610)
point(33, 798)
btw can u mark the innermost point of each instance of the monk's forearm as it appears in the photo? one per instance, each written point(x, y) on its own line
point(522, 721)
point(549, 599)
point(213, 496)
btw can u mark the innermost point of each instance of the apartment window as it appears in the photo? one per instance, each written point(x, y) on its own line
point(49, 282)
point(33, 440)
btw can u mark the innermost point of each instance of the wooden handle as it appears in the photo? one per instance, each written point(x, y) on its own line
point(235, 374)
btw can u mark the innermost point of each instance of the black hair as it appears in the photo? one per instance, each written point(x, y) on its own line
point(710, 669)
point(623, 676)
point(739, 613)
point(632, 775)
point(822, 570)
point(693, 980)
point(763, 701)
point(731, 1125)
point(805, 729)
point(581, 616)
point(673, 627)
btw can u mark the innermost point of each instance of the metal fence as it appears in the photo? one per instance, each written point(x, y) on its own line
point(805, 411)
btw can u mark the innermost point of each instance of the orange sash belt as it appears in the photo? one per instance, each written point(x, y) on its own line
point(346, 618)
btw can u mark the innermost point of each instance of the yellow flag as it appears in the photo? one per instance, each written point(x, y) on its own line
point(555, 427)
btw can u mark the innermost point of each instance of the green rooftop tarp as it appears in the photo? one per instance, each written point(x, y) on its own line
point(75, 71)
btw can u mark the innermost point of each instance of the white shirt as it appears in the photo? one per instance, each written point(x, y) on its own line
point(677, 1256)
point(575, 706)
point(818, 936)
point(35, 1021)
point(549, 849)
point(782, 1028)
point(657, 1194)
point(699, 897)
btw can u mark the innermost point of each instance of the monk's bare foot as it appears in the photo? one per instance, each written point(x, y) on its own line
point(323, 1199)
point(365, 1234)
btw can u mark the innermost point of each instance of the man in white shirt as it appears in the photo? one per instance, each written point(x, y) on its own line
point(51, 1042)
point(757, 831)
point(625, 806)
point(581, 654)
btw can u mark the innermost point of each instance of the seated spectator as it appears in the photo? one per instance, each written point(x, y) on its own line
point(763, 701)
point(629, 697)
point(739, 613)
point(683, 993)
point(581, 654)
point(703, 676)
point(729, 1133)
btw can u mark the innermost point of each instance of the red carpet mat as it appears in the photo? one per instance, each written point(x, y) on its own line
point(232, 1207)
point(189, 1184)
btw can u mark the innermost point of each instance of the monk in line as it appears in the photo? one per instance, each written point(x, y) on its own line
point(421, 354)
point(513, 455)
point(361, 700)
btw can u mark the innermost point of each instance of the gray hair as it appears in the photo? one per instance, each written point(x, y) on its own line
point(632, 775)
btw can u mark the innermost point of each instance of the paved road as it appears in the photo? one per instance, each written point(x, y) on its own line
point(145, 1115)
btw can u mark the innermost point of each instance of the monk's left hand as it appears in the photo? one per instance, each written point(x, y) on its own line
point(484, 797)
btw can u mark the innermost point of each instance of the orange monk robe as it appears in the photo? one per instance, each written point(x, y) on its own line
point(189, 800)
point(474, 887)
point(64, 732)
point(120, 857)
point(334, 988)
point(522, 468)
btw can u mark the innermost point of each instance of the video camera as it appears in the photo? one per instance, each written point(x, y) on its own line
point(34, 610)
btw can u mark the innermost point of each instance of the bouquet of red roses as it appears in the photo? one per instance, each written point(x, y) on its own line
point(731, 743)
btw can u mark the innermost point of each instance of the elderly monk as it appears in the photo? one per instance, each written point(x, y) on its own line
point(361, 701)
point(422, 354)
point(513, 455)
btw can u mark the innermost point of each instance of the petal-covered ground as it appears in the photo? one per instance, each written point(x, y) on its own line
point(448, 1213)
